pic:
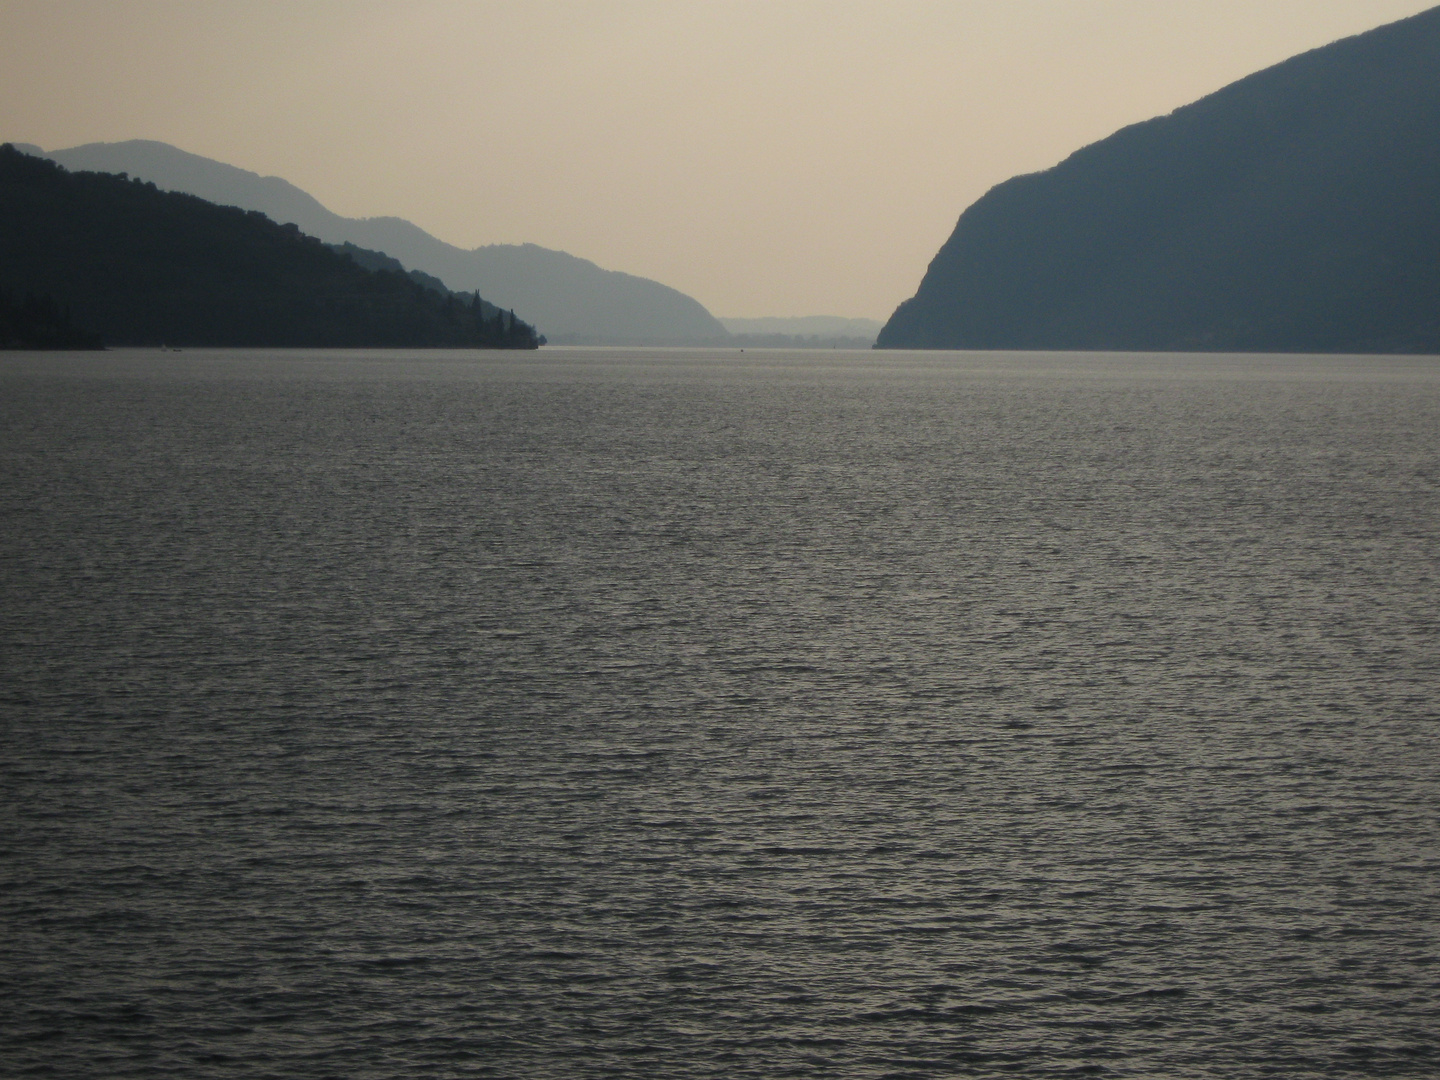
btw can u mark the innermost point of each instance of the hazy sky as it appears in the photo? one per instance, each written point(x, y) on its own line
point(773, 158)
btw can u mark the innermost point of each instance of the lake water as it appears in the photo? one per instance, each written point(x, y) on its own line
point(713, 715)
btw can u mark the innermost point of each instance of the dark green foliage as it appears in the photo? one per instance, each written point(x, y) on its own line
point(146, 267)
point(1295, 210)
point(378, 260)
point(38, 322)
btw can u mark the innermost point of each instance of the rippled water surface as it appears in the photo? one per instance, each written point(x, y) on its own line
point(681, 714)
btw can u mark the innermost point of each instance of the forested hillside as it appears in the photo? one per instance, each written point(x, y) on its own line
point(570, 299)
point(120, 259)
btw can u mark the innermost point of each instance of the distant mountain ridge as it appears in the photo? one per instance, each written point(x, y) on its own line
point(93, 257)
point(570, 300)
point(378, 260)
point(1297, 209)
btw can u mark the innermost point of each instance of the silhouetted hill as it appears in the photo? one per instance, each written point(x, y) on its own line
point(141, 266)
point(572, 300)
point(1295, 210)
point(38, 322)
point(378, 260)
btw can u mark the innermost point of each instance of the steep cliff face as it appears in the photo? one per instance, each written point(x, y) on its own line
point(1295, 210)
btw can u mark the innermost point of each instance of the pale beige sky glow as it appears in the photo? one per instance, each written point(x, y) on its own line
point(775, 158)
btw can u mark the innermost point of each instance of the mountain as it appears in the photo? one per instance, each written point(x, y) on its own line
point(134, 265)
point(1295, 210)
point(39, 322)
point(378, 260)
point(571, 300)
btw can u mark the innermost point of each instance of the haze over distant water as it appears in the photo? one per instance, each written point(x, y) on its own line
point(570, 299)
point(1295, 210)
point(816, 328)
point(688, 715)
